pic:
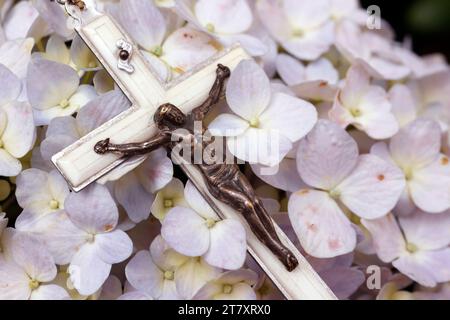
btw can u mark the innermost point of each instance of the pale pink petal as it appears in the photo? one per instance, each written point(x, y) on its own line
point(228, 248)
point(9, 166)
point(16, 55)
point(133, 197)
point(186, 232)
point(291, 116)
point(326, 156)
point(323, 229)
point(417, 145)
point(144, 275)
point(224, 16)
point(53, 16)
point(403, 104)
point(144, 22)
point(92, 209)
point(429, 186)
point(307, 14)
point(426, 231)
point(428, 268)
point(248, 90)
point(197, 202)
point(11, 85)
point(267, 147)
point(113, 247)
point(50, 83)
point(228, 125)
point(14, 282)
point(156, 172)
point(32, 190)
point(291, 70)
point(387, 237)
point(373, 189)
point(87, 271)
point(357, 83)
point(252, 45)
point(19, 135)
point(405, 205)
point(34, 258)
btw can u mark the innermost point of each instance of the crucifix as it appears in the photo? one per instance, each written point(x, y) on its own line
point(102, 150)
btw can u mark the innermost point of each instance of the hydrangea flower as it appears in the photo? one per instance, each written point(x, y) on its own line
point(265, 125)
point(171, 196)
point(229, 21)
point(416, 150)
point(417, 245)
point(54, 90)
point(27, 274)
point(198, 231)
point(370, 187)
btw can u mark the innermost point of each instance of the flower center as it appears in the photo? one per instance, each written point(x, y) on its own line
point(157, 51)
point(168, 203)
point(408, 174)
point(254, 123)
point(227, 289)
point(335, 194)
point(210, 223)
point(210, 27)
point(411, 247)
point(33, 284)
point(90, 238)
point(169, 275)
point(298, 32)
point(54, 204)
point(355, 112)
point(64, 104)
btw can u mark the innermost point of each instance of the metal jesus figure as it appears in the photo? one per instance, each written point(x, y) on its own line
point(224, 181)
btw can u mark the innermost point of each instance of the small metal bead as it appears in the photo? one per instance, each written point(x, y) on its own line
point(124, 55)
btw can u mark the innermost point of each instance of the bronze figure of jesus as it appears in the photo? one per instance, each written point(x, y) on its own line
point(224, 181)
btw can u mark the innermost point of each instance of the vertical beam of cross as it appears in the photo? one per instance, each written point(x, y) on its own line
point(80, 165)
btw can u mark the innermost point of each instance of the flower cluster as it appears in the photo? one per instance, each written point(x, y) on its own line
point(359, 177)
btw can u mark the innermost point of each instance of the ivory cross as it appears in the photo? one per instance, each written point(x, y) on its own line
point(81, 165)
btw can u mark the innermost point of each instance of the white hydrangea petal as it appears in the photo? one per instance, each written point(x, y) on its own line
point(173, 191)
point(100, 110)
point(16, 55)
point(155, 172)
point(284, 176)
point(403, 104)
point(186, 48)
point(130, 194)
point(144, 22)
point(291, 70)
point(241, 291)
point(405, 205)
point(83, 95)
point(55, 143)
point(416, 145)
point(144, 275)
point(322, 69)
point(9, 166)
point(429, 186)
point(267, 147)
point(19, 134)
point(304, 14)
point(29, 253)
point(103, 82)
point(224, 16)
point(427, 232)
point(317, 90)
point(161, 68)
point(313, 44)
point(291, 116)
point(49, 83)
point(426, 267)
point(322, 228)
point(14, 282)
point(10, 84)
point(165, 257)
point(186, 232)
point(248, 90)
point(228, 248)
point(32, 191)
point(326, 156)
point(228, 125)
point(61, 236)
point(58, 186)
point(252, 44)
point(19, 20)
point(92, 209)
point(49, 292)
point(373, 188)
point(87, 270)
point(54, 17)
point(113, 247)
point(192, 276)
point(197, 202)
point(387, 237)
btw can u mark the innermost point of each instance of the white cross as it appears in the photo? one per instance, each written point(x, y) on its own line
point(80, 165)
